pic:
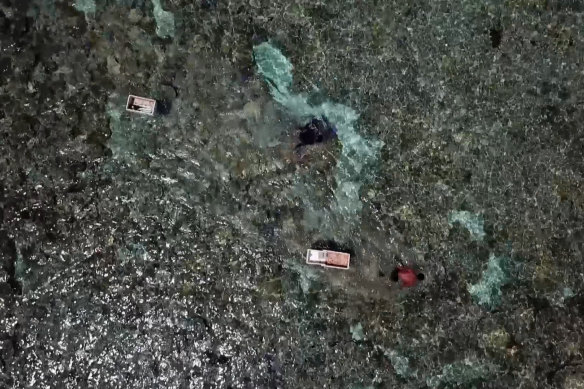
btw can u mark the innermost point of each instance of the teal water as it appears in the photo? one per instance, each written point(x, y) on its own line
point(355, 166)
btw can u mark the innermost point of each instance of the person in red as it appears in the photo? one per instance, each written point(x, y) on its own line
point(406, 276)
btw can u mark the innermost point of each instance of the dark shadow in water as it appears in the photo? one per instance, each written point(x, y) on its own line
point(209, 4)
point(163, 107)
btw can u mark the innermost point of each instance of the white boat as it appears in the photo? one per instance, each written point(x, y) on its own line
point(326, 258)
point(141, 105)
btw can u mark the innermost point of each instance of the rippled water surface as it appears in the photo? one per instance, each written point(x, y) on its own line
point(168, 251)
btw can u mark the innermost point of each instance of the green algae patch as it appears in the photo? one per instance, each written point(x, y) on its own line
point(275, 68)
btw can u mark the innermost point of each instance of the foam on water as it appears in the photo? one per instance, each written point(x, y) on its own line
point(358, 153)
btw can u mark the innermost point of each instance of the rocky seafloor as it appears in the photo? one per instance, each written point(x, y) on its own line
point(168, 251)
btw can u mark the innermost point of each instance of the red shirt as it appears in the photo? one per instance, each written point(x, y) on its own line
point(407, 276)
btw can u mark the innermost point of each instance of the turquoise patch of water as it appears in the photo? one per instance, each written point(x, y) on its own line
point(85, 6)
point(474, 223)
point(357, 332)
point(308, 275)
point(131, 134)
point(273, 66)
point(487, 292)
point(400, 364)
point(462, 374)
point(568, 292)
point(164, 21)
point(358, 154)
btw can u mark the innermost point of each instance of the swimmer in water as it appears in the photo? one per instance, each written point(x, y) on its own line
point(315, 132)
point(407, 276)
